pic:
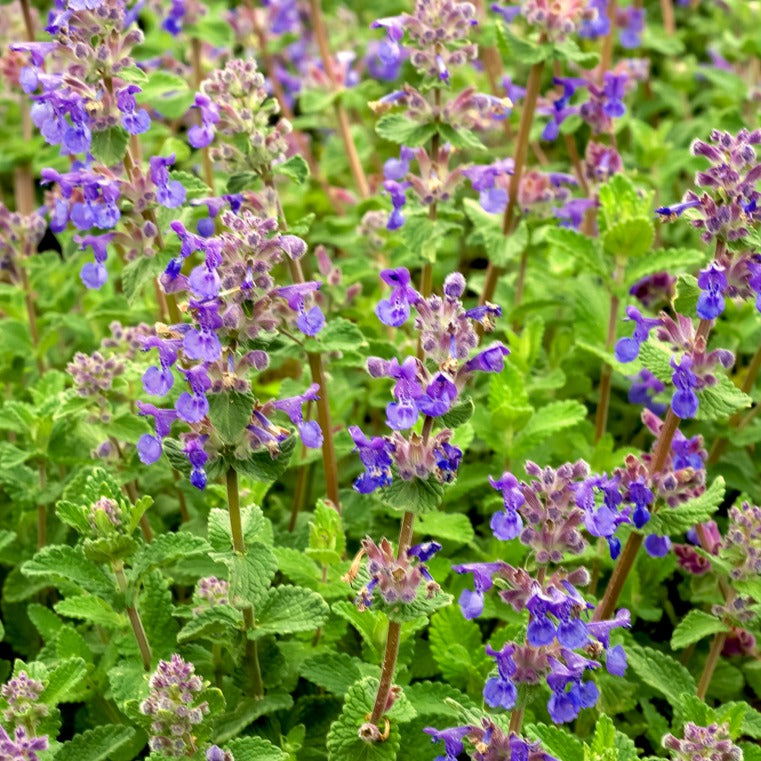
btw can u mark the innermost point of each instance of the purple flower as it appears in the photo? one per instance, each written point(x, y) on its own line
point(452, 739)
point(627, 349)
point(309, 430)
point(395, 310)
point(472, 603)
point(309, 322)
point(134, 120)
point(657, 546)
point(169, 193)
point(499, 691)
point(375, 454)
point(713, 283)
point(148, 449)
point(615, 660)
point(192, 408)
point(684, 403)
point(396, 169)
point(614, 89)
point(199, 136)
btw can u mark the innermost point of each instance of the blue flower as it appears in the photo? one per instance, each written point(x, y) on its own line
point(627, 349)
point(713, 283)
point(375, 454)
point(684, 403)
point(395, 310)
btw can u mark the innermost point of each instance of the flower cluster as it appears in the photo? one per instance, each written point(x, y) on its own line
point(93, 373)
point(396, 579)
point(22, 695)
point(232, 297)
point(21, 747)
point(174, 707)
point(210, 592)
point(630, 21)
point(488, 741)
point(729, 201)
point(234, 102)
point(699, 743)
point(742, 542)
point(105, 515)
point(429, 385)
point(19, 237)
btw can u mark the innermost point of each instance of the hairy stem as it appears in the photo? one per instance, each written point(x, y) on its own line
point(394, 630)
point(236, 530)
point(606, 53)
point(195, 59)
point(321, 35)
point(717, 645)
point(133, 615)
point(521, 150)
point(669, 23)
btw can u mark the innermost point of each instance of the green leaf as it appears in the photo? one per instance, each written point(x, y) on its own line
point(422, 606)
point(250, 574)
point(414, 496)
point(255, 749)
point(450, 527)
point(694, 626)
point(295, 167)
point(660, 672)
point(212, 29)
point(460, 137)
point(435, 699)
point(194, 186)
point(517, 49)
point(399, 129)
point(568, 50)
point(212, 623)
point(247, 711)
point(166, 549)
point(288, 609)
point(326, 536)
point(239, 181)
point(316, 101)
point(582, 249)
point(256, 528)
point(563, 745)
point(230, 413)
point(620, 200)
point(687, 293)
point(59, 564)
point(138, 273)
point(155, 606)
point(459, 414)
point(344, 742)
point(110, 146)
point(457, 649)
point(262, 467)
point(335, 672)
point(670, 259)
point(63, 681)
point(721, 400)
point(167, 93)
point(92, 609)
point(549, 420)
point(630, 238)
point(74, 516)
point(99, 744)
point(339, 334)
point(677, 520)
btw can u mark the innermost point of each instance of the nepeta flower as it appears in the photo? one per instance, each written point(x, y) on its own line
point(713, 283)
point(712, 742)
point(21, 747)
point(174, 707)
point(627, 349)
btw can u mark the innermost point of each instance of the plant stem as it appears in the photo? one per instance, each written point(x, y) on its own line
point(133, 615)
point(669, 23)
point(606, 53)
point(42, 511)
point(321, 35)
point(394, 630)
point(717, 645)
point(521, 150)
point(195, 59)
point(239, 545)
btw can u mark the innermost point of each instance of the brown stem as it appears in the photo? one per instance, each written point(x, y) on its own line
point(606, 53)
point(26, 12)
point(394, 630)
point(516, 719)
point(249, 623)
point(195, 58)
point(521, 149)
point(667, 11)
point(133, 615)
point(321, 35)
point(717, 645)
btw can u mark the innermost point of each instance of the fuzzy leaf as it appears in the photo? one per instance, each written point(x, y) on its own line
point(296, 168)
point(167, 549)
point(326, 536)
point(721, 400)
point(630, 238)
point(548, 420)
point(262, 466)
point(338, 335)
point(435, 699)
point(667, 259)
point(584, 250)
point(110, 145)
point(247, 711)
point(255, 749)
point(155, 606)
point(694, 626)
point(99, 744)
point(457, 648)
point(250, 574)
point(335, 672)
point(63, 681)
point(518, 49)
point(58, 564)
point(230, 413)
point(449, 527)
point(288, 609)
point(415, 496)
point(399, 129)
point(459, 414)
point(212, 623)
point(563, 745)
point(255, 527)
point(660, 672)
point(92, 609)
point(677, 520)
point(687, 293)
